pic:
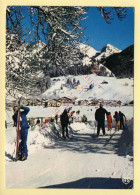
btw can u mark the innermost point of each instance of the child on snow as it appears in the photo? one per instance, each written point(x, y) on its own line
point(109, 121)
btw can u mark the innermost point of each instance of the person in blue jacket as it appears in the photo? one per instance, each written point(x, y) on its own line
point(24, 126)
point(117, 118)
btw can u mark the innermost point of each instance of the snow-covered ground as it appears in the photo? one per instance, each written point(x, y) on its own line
point(84, 161)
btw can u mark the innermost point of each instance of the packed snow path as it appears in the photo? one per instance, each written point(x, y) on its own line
point(85, 161)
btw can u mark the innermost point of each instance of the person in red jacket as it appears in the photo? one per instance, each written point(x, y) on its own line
point(109, 121)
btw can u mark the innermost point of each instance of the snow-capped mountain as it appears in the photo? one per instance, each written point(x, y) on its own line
point(92, 57)
point(107, 51)
point(87, 50)
point(122, 64)
point(90, 54)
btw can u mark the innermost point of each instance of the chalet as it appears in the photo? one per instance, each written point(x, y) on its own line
point(110, 103)
point(65, 100)
point(29, 102)
point(93, 103)
point(85, 102)
point(37, 102)
point(81, 102)
point(44, 100)
point(113, 103)
point(78, 102)
point(119, 103)
point(52, 103)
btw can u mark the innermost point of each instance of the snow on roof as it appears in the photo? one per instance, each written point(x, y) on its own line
point(65, 98)
point(57, 100)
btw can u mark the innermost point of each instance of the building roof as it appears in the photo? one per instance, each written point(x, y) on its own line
point(57, 100)
point(65, 98)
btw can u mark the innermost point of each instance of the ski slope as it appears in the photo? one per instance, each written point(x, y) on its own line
point(115, 89)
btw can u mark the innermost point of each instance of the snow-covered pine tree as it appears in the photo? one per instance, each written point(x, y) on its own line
point(58, 26)
point(24, 73)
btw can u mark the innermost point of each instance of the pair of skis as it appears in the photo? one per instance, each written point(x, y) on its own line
point(18, 130)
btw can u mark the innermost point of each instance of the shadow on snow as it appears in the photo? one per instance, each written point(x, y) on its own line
point(94, 183)
point(113, 143)
point(88, 143)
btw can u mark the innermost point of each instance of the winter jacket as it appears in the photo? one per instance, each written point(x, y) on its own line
point(100, 114)
point(117, 116)
point(109, 118)
point(121, 116)
point(23, 119)
point(64, 119)
point(84, 119)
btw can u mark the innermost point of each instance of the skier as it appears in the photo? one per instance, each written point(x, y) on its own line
point(56, 118)
point(84, 119)
point(100, 118)
point(109, 121)
point(5, 124)
point(51, 120)
point(24, 126)
point(31, 122)
point(122, 116)
point(46, 120)
point(38, 121)
point(117, 118)
point(64, 123)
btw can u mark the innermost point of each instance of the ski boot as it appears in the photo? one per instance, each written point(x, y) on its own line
point(24, 158)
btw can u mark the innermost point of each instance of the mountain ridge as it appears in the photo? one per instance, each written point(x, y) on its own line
point(122, 64)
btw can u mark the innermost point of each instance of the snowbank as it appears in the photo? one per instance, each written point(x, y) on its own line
point(78, 126)
point(126, 140)
point(38, 138)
